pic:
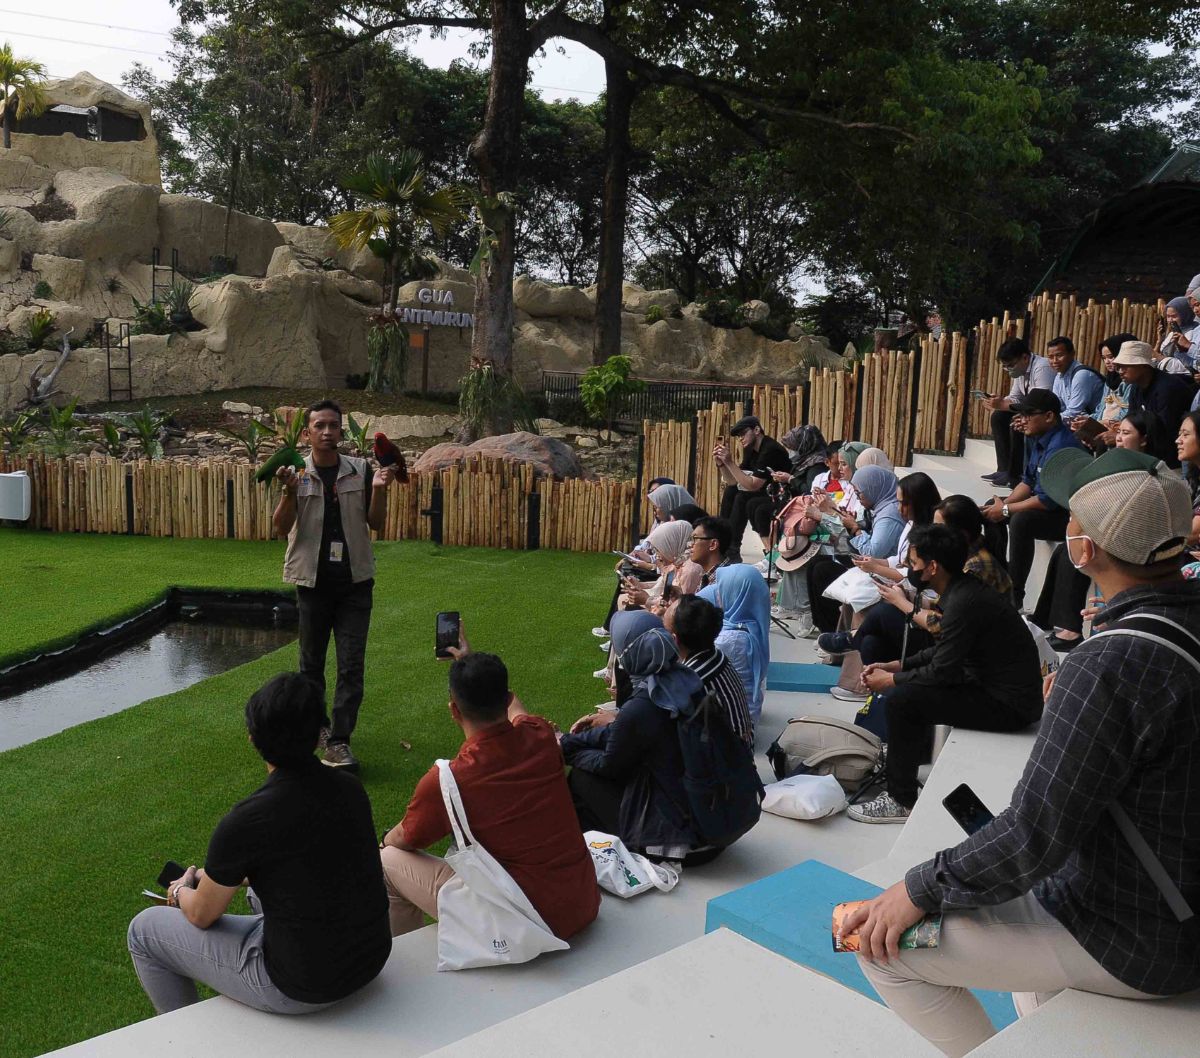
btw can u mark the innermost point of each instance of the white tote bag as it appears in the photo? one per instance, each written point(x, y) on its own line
point(624, 873)
point(854, 588)
point(484, 919)
point(805, 797)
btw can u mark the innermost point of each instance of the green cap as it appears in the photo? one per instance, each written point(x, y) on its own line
point(1130, 504)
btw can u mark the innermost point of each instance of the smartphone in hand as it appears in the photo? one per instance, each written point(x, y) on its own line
point(171, 872)
point(449, 628)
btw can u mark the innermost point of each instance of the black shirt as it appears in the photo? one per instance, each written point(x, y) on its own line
point(983, 641)
point(334, 573)
point(1170, 398)
point(306, 843)
point(770, 455)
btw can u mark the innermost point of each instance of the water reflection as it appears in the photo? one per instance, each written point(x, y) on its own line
point(182, 653)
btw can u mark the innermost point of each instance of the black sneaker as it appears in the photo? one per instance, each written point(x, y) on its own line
point(338, 755)
point(835, 642)
point(1063, 646)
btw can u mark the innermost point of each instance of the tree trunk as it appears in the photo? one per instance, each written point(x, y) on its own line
point(8, 105)
point(610, 276)
point(495, 152)
point(234, 170)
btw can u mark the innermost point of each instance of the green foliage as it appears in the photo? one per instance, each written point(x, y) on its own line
point(15, 429)
point(62, 429)
point(113, 284)
point(605, 387)
point(252, 437)
point(359, 435)
point(654, 313)
point(721, 312)
point(178, 302)
point(150, 318)
point(387, 355)
point(146, 425)
point(488, 397)
point(20, 81)
point(111, 439)
point(288, 428)
point(41, 326)
point(43, 290)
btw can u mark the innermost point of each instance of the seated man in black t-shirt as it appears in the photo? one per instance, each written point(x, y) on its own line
point(305, 846)
point(746, 481)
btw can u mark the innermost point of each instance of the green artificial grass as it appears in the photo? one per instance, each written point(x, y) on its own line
point(92, 813)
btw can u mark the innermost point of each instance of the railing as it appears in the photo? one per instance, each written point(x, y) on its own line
point(661, 399)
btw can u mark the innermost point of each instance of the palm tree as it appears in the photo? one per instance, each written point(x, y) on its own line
point(21, 80)
point(397, 205)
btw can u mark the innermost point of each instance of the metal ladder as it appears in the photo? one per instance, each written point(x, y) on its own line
point(157, 267)
point(115, 352)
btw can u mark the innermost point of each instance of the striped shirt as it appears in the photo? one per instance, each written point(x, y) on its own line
point(1122, 723)
point(721, 680)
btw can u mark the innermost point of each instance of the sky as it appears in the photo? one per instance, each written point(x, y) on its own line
point(79, 35)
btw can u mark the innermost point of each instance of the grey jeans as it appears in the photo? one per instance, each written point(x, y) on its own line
point(170, 955)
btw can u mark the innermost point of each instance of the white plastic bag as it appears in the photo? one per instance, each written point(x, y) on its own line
point(484, 919)
point(855, 588)
point(1046, 655)
point(805, 797)
point(624, 873)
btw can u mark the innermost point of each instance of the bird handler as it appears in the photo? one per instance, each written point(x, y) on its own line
point(327, 511)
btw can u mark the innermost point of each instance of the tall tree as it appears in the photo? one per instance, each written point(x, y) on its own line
point(20, 89)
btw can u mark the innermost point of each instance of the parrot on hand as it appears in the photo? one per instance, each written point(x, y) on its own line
point(387, 455)
point(287, 456)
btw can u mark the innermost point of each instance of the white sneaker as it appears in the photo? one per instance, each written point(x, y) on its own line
point(601, 674)
point(843, 695)
point(763, 567)
point(884, 809)
point(600, 632)
point(605, 647)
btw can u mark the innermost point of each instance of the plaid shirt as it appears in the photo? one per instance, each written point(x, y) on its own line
point(1123, 722)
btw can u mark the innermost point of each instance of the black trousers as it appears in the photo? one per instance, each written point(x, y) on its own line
point(1010, 446)
point(345, 612)
point(1063, 596)
point(597, 800)
point(737, 507)
point(912, 713)
point(822, 571)
point(1018, 537)
point(881, 635)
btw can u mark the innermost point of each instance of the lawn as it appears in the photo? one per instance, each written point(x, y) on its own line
point(92, 813)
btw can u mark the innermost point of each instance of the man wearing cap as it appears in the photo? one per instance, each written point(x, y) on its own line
point(746, 481)
point(1089, 879)
point(1027, 371)
point(1028, 512)
point(1154, 392)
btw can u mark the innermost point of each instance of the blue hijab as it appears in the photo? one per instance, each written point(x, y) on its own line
point(646, 651)
point(742, 594)
point(877, 486)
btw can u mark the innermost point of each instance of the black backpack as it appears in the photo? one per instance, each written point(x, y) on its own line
point(724, 792)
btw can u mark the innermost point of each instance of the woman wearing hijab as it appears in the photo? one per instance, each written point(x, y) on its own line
point(1181, 332)
point(879, 538)
point(874, 457)
point(626, 767)
point(678, 574)
point(666, 498)
point(745, 601)
point(807, 451)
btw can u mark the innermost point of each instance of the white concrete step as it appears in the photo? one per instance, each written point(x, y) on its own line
point(716, 996)
point(982, 453)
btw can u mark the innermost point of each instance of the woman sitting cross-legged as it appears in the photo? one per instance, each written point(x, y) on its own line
point(745, 603)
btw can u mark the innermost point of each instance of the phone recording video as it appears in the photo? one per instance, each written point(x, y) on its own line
point(448, 629)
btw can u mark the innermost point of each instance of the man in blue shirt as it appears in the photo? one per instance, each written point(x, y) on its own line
point(1077, 388)
point(1028, 512)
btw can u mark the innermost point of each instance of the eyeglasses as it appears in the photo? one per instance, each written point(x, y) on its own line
point(697, 539)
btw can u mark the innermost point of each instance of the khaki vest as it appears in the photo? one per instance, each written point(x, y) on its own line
point(304, 541)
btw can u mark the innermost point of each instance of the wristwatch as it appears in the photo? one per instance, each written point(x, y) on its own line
point(1004, 509)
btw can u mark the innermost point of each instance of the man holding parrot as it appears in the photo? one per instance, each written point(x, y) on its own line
point(327, 511)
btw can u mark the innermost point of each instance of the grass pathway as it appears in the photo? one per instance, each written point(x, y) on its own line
point(92, 813)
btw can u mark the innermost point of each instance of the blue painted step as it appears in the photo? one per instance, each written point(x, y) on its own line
point(789, 676)
point(789, 913)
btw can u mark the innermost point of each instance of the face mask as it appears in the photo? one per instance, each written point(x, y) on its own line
point(914, 578)
point(1068, 539)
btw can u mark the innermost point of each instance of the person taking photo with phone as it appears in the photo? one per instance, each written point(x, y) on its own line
point(326, 512)
point(1027, 371)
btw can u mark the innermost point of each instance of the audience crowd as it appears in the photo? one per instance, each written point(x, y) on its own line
point(1052, 894)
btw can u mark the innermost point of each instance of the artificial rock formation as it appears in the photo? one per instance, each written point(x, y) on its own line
point(548, 456)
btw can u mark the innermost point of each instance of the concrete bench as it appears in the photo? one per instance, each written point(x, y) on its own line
point(713, 997)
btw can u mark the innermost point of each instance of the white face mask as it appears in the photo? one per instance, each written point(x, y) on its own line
point(1068, 539)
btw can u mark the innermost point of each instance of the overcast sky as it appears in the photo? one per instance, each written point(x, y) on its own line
point(73, 35)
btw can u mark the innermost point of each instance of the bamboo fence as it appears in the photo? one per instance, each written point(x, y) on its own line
point(485, 502)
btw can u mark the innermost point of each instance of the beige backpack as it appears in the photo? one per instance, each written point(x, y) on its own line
point(824, 745)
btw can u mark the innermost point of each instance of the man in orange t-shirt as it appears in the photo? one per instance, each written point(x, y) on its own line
point(509, 771)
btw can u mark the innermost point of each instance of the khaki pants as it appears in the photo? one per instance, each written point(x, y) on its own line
point(1014, 947)
point(413, 881)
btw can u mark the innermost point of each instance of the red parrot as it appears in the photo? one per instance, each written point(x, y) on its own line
point(387, 455)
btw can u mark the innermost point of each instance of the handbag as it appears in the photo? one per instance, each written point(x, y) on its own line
point(624, 873)
point(854, 588)
point(484, 918)
point(824, 745)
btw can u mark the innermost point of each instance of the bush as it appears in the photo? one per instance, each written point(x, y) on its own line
point(606, 387)
point(654, 313)
point(41, 326)
point(43, 290)
point(721, 312)
point(150, 318)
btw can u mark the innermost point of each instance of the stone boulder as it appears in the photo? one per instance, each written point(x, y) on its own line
point(755, 311)
point(458, 296)
point(136, 159)
point(317, 241)
point(22, 181)
point(10, 258)
point(66, 317)
point(197, 230)
point(448, 271)
point(548, 456)
point(638, 299)
point(543, 299)
point(115, 219)
point(66, 275)
point(397, 426)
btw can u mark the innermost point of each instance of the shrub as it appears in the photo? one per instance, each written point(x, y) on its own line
point(61, 425)
point(15, 429)
point(179, 303)
point(721, 312)
point(251, 438)
point(145, 426)
point(41, 326)
point(605, 387)
point(654, 313)
point(487, 398)
point(150, 318)
point(359, 435)
point(43, 290)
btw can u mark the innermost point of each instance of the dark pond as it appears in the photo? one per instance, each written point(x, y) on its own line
point(176, 655)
